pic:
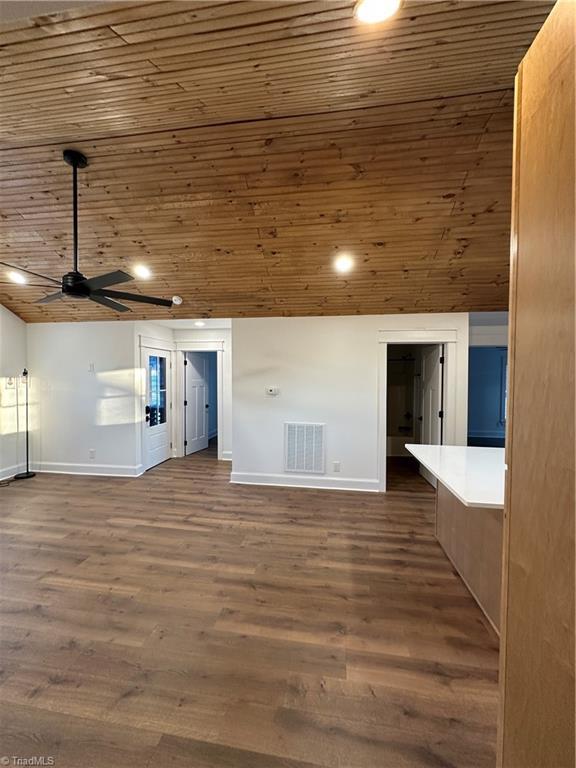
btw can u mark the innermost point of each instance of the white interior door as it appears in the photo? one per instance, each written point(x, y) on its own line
point(157, 423)
point(431, 395)
point(195, 402)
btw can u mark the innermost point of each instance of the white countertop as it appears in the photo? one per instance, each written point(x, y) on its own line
point(473, 475)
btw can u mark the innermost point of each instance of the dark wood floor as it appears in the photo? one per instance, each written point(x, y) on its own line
point(178, 621)
point(403, 474)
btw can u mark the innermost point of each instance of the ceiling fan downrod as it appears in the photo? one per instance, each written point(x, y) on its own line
point(76, 160)
point(74, 284)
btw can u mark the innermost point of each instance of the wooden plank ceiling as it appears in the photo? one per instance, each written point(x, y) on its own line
point(236, 147)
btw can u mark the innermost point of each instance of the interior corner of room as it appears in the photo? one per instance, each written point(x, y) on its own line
point(287, 391)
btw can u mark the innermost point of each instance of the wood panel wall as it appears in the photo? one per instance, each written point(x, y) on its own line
point(537, 665)
point(238, 147)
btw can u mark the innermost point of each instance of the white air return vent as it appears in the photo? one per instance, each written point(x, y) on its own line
point(304, 447)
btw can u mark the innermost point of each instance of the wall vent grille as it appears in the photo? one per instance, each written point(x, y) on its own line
point(304, 448)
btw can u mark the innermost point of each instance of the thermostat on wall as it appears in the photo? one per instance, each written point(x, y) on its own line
point(272, 391)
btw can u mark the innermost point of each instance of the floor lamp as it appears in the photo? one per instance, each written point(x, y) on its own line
point(27, 474)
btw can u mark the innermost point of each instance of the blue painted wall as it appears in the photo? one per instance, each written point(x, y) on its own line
point(486, 396)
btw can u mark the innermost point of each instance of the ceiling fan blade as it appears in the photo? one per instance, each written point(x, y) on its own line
point(133, 297)
point(110, 278)
point(109, 303)
point(49, 298)
point(25, 285)
point(29, 271)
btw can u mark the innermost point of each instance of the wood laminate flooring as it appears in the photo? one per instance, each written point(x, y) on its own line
point(176, 620)
point(403, 474)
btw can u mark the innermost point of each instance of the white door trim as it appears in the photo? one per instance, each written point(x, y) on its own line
point(152, 343)
point(418, 336)
point(197, 346)
point(200, 346)
point(455, 384)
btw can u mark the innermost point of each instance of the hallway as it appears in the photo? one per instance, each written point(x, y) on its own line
point(403, 474)
point(208, 453)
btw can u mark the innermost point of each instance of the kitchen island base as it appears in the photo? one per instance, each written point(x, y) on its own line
point(471, 537)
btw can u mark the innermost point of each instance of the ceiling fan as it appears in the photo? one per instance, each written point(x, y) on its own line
point(74, 284)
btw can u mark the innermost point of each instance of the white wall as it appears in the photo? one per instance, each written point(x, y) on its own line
point(147, 329)
point(489, 329)
point(85, 388)
point(328, 371)
point(488, 336)
point(87, 392)
point(13, 359)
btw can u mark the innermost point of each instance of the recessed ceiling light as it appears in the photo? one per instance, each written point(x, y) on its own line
point(141, 270)
point(200, 323)
point(343, 263)
point(17, 277)
point(177, 300)
point(373, 11)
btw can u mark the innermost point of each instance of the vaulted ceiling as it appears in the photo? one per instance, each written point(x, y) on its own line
point(237, 147)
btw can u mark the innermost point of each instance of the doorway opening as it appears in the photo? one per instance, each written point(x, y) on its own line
point(414, 410)
point(200, 427)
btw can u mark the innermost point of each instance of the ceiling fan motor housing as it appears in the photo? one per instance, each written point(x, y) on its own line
point(73, 284)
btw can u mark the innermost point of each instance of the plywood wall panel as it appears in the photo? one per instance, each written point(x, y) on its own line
point(537, 668)
point(472, 539)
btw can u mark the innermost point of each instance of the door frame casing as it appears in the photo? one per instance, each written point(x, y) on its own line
point(455, 384)
point(178, 422)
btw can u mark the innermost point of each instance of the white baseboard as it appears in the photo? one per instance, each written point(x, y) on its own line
point(303, 481)
point(100, 470)
point(7, 472)
point(226, 456)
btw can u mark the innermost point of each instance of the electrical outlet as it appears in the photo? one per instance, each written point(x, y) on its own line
point(336, 466)
point(92, 453)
